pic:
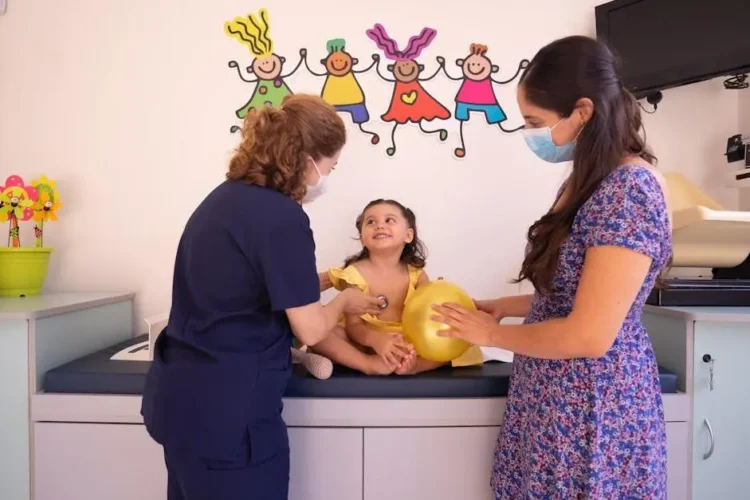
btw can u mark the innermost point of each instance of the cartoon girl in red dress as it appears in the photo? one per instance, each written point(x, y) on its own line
point(410, 101)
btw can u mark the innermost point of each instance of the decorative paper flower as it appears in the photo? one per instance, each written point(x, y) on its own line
point(47, 203)
point(17, 201)
point(44, 183)
point(45, 207)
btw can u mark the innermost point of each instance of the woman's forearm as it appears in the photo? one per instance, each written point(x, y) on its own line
point(515, 306)
point(561, 338)
point(313, 322)
point(334, 310)
point(325, 281)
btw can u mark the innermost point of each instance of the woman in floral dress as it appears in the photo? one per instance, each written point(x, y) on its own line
point(584, 417)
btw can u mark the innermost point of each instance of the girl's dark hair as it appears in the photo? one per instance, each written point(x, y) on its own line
point(559, 75)
point(414, 254)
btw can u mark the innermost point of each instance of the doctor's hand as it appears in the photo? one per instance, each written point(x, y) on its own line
point(358, 303)
point(475, 327)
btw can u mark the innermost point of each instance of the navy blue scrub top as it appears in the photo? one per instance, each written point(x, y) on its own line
point(221, 365)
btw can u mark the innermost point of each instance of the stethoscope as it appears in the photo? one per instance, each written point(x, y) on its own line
point(385, 301)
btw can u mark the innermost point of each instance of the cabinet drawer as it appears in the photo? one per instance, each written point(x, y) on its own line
point(326, 464)
point(443, 463)
point(112, 461)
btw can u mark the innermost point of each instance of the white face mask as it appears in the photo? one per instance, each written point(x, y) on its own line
point(317, 189)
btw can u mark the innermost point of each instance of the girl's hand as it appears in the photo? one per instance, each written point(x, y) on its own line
point(392, 348)
point(357, 303)
point(475, 327)
point(492, 307)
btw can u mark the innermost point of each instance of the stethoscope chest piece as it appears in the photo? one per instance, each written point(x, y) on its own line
point(385, 301)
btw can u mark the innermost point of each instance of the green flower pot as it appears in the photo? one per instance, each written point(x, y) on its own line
point(23, 270)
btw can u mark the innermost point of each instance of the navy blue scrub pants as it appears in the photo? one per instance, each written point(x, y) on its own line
point(238, 478)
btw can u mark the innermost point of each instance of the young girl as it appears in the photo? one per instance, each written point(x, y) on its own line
point(390, 265)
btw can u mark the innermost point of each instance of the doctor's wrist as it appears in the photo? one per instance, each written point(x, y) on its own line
point(325, 281)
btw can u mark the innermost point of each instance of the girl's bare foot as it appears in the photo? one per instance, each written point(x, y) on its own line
point(408, 365)
point(376, 366)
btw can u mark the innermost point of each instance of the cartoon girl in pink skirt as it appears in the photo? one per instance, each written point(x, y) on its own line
point(410, 101)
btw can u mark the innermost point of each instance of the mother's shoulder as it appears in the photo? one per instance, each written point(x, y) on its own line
point(636, 174)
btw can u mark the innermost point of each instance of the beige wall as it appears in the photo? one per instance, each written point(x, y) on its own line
point(127, 104)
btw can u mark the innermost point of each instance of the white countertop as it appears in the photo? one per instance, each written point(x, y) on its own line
point(317, 412)
point(727, 314)
point(49, 304)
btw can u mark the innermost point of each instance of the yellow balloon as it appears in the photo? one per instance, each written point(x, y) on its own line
point(421, 331)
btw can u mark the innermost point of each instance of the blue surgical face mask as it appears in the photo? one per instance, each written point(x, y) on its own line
point(540, 142)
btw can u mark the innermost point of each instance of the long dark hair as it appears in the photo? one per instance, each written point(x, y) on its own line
point(559, 75)
point(414, 253)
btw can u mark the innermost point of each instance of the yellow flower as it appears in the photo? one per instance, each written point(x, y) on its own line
point(45, 208)
point(43, 181)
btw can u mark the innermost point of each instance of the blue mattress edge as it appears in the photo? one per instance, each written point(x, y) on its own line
point(96, 373)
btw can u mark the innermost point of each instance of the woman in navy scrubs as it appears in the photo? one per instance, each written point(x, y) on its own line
point(245, 280)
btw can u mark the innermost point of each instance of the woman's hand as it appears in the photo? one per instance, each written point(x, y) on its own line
point(492, 307)
point(475, 327)
point(392, 348)
point(358, 303)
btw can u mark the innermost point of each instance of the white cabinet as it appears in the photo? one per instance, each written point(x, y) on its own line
point(38, 333)
point(113, 460)
point(121, 462)
point(456, 462)
point(692, 342)
point(326, 464)
point(720, 427)
point(443, 463)
point(97, 461)
point(678, 453)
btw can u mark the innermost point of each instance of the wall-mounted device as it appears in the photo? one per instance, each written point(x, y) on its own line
point(738, 149)
point(705, 235)
point(668, 43)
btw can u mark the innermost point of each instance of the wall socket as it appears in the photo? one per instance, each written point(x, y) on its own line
point(3, 6)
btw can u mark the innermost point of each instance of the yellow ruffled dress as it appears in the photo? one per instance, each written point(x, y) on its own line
point(350, 276)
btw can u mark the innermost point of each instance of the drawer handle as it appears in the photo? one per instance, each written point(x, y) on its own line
point(710, 451)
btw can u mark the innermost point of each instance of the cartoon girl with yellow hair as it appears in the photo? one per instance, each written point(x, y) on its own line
point(270, 87)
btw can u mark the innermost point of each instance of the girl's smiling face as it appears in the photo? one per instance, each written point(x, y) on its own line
point(268, 68)
point(384, 227)
point(406, 71)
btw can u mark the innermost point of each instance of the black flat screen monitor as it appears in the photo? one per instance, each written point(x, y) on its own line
point(667, 43)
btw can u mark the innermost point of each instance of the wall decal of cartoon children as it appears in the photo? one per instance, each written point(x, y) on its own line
point(341, 88)
point(410, 102)
point(270, 87)
point(476, 93)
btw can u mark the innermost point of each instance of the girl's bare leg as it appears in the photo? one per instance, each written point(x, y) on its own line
point(339, 348)
point(414, 364)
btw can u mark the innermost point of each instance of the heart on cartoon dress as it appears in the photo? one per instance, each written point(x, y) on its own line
point(410, 97)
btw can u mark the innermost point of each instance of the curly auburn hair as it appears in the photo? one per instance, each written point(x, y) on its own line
point(277, 140)
point(413, 254)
